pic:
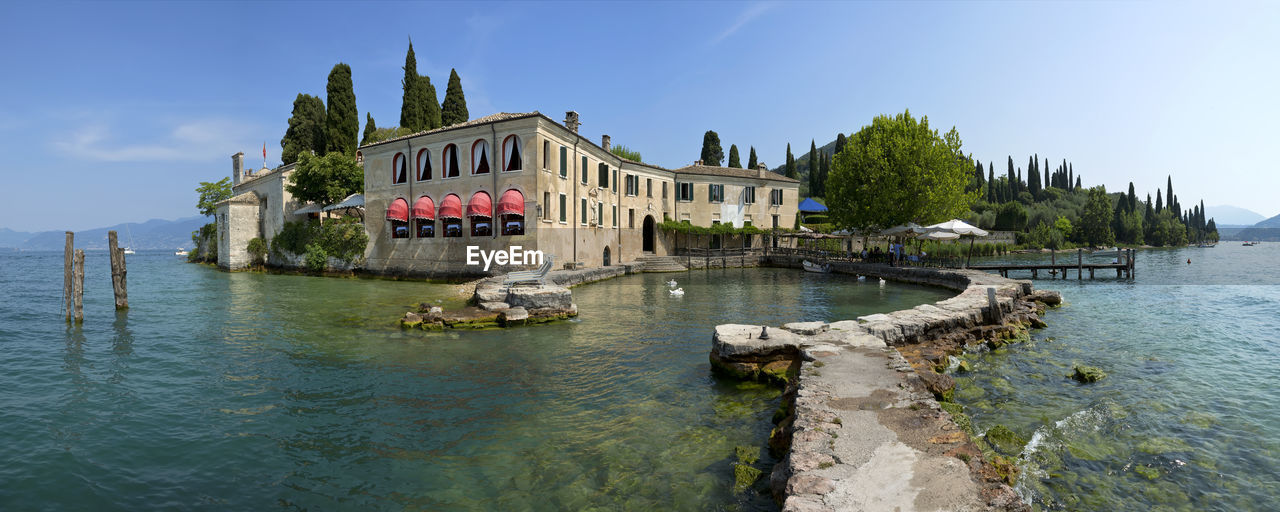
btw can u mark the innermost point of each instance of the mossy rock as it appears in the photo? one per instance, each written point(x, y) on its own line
point(1087, 374)
point(1004, 440)
point(747, 454)
point(1163, 445)
point(963, 367)
point(1006, 468)
point(781, 413)
point(1149, 472)
point(952, 408)
point(744, 476)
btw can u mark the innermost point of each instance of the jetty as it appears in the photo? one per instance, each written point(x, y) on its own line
point(1059, 269)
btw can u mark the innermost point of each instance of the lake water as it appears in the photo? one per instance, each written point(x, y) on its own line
point(1188, 416)
point(250, 391)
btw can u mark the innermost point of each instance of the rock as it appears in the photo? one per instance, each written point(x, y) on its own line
point(942, 386)
point(513, 316)
point(1086, 374)
point(435, 311)
point(490, 294)
point(744, 476)
point(1004, 440)
point(1048, 297)
point(738, 340)
point(494, 306)
point(411, 319)
point(546, 297)
point(809, 484)
point(807, 328)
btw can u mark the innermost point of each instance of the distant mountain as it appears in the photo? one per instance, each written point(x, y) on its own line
point(152, 234)
point(1227, 215)
point(1273, 222)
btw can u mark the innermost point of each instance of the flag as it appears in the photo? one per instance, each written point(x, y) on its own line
point(264, 150)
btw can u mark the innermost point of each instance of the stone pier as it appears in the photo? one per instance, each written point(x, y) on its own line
point(864, 429)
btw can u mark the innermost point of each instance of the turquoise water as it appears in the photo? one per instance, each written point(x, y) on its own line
point(1187, 417)
point(250, 391)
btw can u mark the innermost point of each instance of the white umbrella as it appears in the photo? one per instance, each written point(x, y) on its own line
point(909, 228)
point(940, 235)
point(310, 208)
point(958, 227)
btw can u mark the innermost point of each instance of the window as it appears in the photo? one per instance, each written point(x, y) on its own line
point(614, 184)
point(615, 216)
point(685, 192)
point(775, 197)
point(564, 209)
point(450, 162)
point(512, 155)
point(399, 170)
point(480, 157)
point(480, 211)
point(648, 187)
point(583, 209)
point(546, 155)
point(564, 162)
point(631, 218)
point(599, 214)
point(748, 195)
point(546, 206)
point(426, 228)
point(664, 190)
point(775, 221)
point(633, 183)
point(424, 217)
point(511, 212)
point(451, 215)
point(603, 174)
point(584, 170)
point(398, 216)
point(424, 165)
point(452, 228)
point(715, 193)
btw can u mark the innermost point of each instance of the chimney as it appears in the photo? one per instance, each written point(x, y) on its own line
point(237, 168)
point(763, 170)
point(604, 142)
point(571, 121)
point(697, 162)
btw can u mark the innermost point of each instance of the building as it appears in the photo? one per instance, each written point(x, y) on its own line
point(525, 180)
point(258, 208)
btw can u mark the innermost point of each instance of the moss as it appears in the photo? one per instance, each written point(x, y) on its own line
point(744, 476)
point(781, 413)
point(1086, 374)
point(1149, 472)
point(826, 464)
point(1006, 468)
point(952, 408)
point(1163, 445)
point(746, 454)
point(1004, 440)
point(963, 367)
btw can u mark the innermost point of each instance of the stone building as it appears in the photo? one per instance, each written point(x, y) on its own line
point(525, 180)
point(258, 208)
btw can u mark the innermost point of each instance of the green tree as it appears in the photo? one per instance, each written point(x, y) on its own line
point(734, 160)
point(1095, 221)
point(411, 108)
point(212, 193)
point(752, 162)
point(824, 170)
point(712, 154)
point(791, 163)
point(1168, 201)
point(306, 129)
point(625, 152)
point(898, 170)
point(369, 128)
point(430, 105)
point(841, 142)
point(342, 120)
point(991, 182)
point(325, 179)
point(454, 109)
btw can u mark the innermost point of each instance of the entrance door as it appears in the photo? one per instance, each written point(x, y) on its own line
point(606, 256)
point(648, 234)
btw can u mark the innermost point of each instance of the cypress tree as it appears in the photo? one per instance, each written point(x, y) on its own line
point(369, 128)
point(431, 116)
point(712, 154)
point(979, 177)
point(342, 120)
point(1048, 182)
point(454, 109)
point(1168, 190)
point(791, 163)
point(734, 160)
point(813, 159)
point(751, 160)
point(306, 130)
point(991, 183)
point(1202, 216)
point(826, 170)
point(1133, 199)
point(1159, 203)
point(410, 108)
point(840, 143)
point(1078, 187)
point(1070, 172)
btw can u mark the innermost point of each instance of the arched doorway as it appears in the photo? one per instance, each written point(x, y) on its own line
point(648, 234)
point(606, 256)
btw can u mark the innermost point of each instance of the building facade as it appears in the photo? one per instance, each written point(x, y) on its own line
point(525, 180)
point(259, 206)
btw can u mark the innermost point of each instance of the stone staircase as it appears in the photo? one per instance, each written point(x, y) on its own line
point(653, 263)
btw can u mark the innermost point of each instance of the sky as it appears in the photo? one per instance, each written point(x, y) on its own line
point(114, 112)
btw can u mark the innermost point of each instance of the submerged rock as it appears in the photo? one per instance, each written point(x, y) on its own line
point(512, 317)
point(744, 476)
point(1086, 374)
point(1004, 440)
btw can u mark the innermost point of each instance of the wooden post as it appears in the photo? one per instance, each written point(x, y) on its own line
point(1079, 264)
point(117, 272)
point(77, 288)
point(68, 265)
point(995, 316)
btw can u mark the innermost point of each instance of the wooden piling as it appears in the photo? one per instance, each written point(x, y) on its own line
point(1079, 264)
point(77, 288)
point(117, 272)
point(67, 266)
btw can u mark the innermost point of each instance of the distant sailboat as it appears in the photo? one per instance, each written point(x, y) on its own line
point(128, 249)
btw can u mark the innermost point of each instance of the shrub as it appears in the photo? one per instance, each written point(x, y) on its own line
point(316, 259)
point(257, 249)
point(344, 239)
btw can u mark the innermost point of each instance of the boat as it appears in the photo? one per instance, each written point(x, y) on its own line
point(180, 252)
point(1207, 245)
point(1113, 252)
point(1249, 244)
point(128, 249)
point(810, 266)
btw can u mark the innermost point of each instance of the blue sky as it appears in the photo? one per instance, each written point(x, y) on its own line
point(113, 112)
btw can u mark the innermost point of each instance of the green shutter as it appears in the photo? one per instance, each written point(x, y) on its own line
point(584, 170)
point(564, 165)
point(583, 209)
point(563, 209)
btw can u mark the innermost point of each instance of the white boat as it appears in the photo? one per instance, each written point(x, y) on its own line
point(1113, 252)
point(810, 266)
point(181, 252)
point(128, 249)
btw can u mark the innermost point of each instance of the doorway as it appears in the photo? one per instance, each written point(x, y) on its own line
point(648, 234)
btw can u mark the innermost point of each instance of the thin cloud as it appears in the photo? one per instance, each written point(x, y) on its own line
point(191, 141)
point(751, 13)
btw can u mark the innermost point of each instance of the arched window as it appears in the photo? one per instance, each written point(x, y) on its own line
point(398, 216)
point(480, 211)
point(424, 165)
point(512, 156)
point(480, 157)
point(399, 169)
point(424, 215)
point(511, 212)
point(451, 215)
point(450, 161)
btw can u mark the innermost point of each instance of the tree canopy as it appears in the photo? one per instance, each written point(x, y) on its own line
point(751, 160)
point(411, 110)
point(898, 170)
point(369, 128)
point(306, 130)
point(325, 179)
point(734, 159)
point(791, 163)
point(342, 120)
point(212, 193)
point(712, 153)
point(454, 109)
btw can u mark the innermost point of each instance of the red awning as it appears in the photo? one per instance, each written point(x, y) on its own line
point(451, 207)
point(480, 205)
point(424, 208)
point(399, 210)
point(511, 203)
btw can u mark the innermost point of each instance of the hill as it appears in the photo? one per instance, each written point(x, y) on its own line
point(802, 164)
point(1273, 222)
point(152, 234)
point(1227, 215)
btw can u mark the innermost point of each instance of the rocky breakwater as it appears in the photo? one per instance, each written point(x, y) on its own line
point(866, 423)
point(496, 305)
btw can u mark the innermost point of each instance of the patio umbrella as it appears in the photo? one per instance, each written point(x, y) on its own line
point(959, 228)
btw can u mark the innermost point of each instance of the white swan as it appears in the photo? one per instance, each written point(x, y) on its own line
point(882, 281)
point(671, 283)
point(862, 278)
point(678, 292)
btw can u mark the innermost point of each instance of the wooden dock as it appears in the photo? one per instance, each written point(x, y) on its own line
point(1059, 269)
